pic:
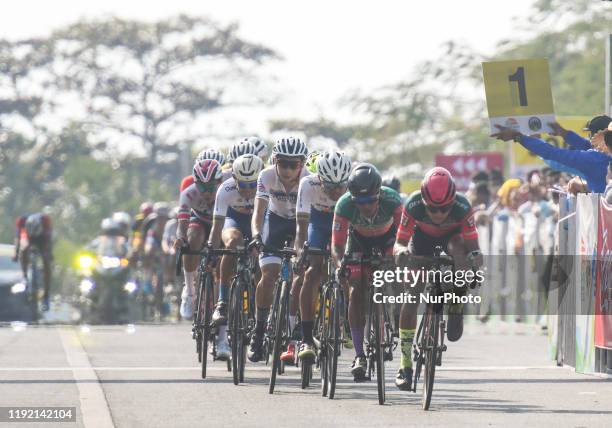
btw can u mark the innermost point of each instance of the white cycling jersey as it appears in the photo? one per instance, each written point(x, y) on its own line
point(229, 197)
point(312, 195)
point(192, 203)
point(270, 188)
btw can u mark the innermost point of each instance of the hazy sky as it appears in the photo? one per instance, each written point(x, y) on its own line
point(329, 46)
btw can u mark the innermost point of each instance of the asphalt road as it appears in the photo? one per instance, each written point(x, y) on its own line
point(148, 376)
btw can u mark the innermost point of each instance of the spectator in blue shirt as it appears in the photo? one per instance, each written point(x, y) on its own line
point(590, 158)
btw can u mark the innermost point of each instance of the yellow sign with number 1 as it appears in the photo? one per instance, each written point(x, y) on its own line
point(519, 95)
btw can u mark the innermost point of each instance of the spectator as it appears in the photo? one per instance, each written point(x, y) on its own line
point(590, 158)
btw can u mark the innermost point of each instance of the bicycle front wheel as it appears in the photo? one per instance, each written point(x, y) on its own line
point(206, 307)
point(279, 336)
point(430, 339)
point(333, 344)
point(378, 324)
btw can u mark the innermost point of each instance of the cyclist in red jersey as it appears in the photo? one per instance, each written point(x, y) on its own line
point(434, 216)
point(34, 231)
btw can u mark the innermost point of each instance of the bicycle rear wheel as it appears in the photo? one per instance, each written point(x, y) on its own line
point(237, 328)
point(207, 308)
point(279, 336)
point(430, 339)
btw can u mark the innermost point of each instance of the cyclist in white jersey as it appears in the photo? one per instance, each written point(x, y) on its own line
point(231, 225)
point(317, 198)
point(273, 222)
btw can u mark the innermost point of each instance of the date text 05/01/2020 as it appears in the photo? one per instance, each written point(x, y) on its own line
point(446, 298)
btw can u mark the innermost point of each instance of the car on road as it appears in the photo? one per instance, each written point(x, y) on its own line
point(13, 305)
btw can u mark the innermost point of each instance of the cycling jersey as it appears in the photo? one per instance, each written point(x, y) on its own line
point(270, 188)
point(236, 209)
point(460, 220)
point(385, 220)
point(191, 204)
point(228, 196)
point(313, 200)
point(311, 195)
point(22, 229)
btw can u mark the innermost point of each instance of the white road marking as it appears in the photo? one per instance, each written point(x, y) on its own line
point(94, 407)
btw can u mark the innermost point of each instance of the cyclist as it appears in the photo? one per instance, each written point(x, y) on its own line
point(434, 216)
point(317, 196)
point(231, 225)
point(169, 252)
point(373, 211)
point(273, 221)
point(196, 204)
point(124, 221)
point(206, 154)
point(137, 241)
point(311, 161)
point(261, 150)
point(153, 230)
point(35, 231)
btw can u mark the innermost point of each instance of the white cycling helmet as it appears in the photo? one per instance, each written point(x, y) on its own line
point(334, 166)
point(211, 154)
point(242, 148)
point(123, 218)
point(261, 149)
point(290, 147)
point(247, 167)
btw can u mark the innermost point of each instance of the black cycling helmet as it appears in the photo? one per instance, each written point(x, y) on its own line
point(365, 180)
point(392, 182)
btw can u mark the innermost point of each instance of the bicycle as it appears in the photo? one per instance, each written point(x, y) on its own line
point(203, 330)
point(327, 325)
point(429, 344)
point(33, 286)
point(380, 338)
point(241, 310)
point(277, 334)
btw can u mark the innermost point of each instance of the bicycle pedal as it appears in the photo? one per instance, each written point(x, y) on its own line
point(443, 348)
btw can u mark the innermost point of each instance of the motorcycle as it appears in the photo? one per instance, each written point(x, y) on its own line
point(105, 293)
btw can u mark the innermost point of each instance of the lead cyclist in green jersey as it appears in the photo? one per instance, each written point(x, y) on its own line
point(373, 213)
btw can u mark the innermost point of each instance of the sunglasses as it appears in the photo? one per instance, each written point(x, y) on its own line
point(247, 184)
point(333, 186)
point(287, 164)
point(364, 200)
point(206, 187)
point(441, 210)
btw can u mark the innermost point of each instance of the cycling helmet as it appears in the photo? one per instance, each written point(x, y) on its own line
point(123, 218)
point(365, 180)
point(260, 147)
point(247, 167)
point(211, 154)
point(242, 148)
point(438, 187)
point(110, 227)
point(161, 209)
point(146, 208)
point(204, 171)
point(334, 167)
point(311, 161)
point(34, 225)
point(290, 147)
point(392, 182)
